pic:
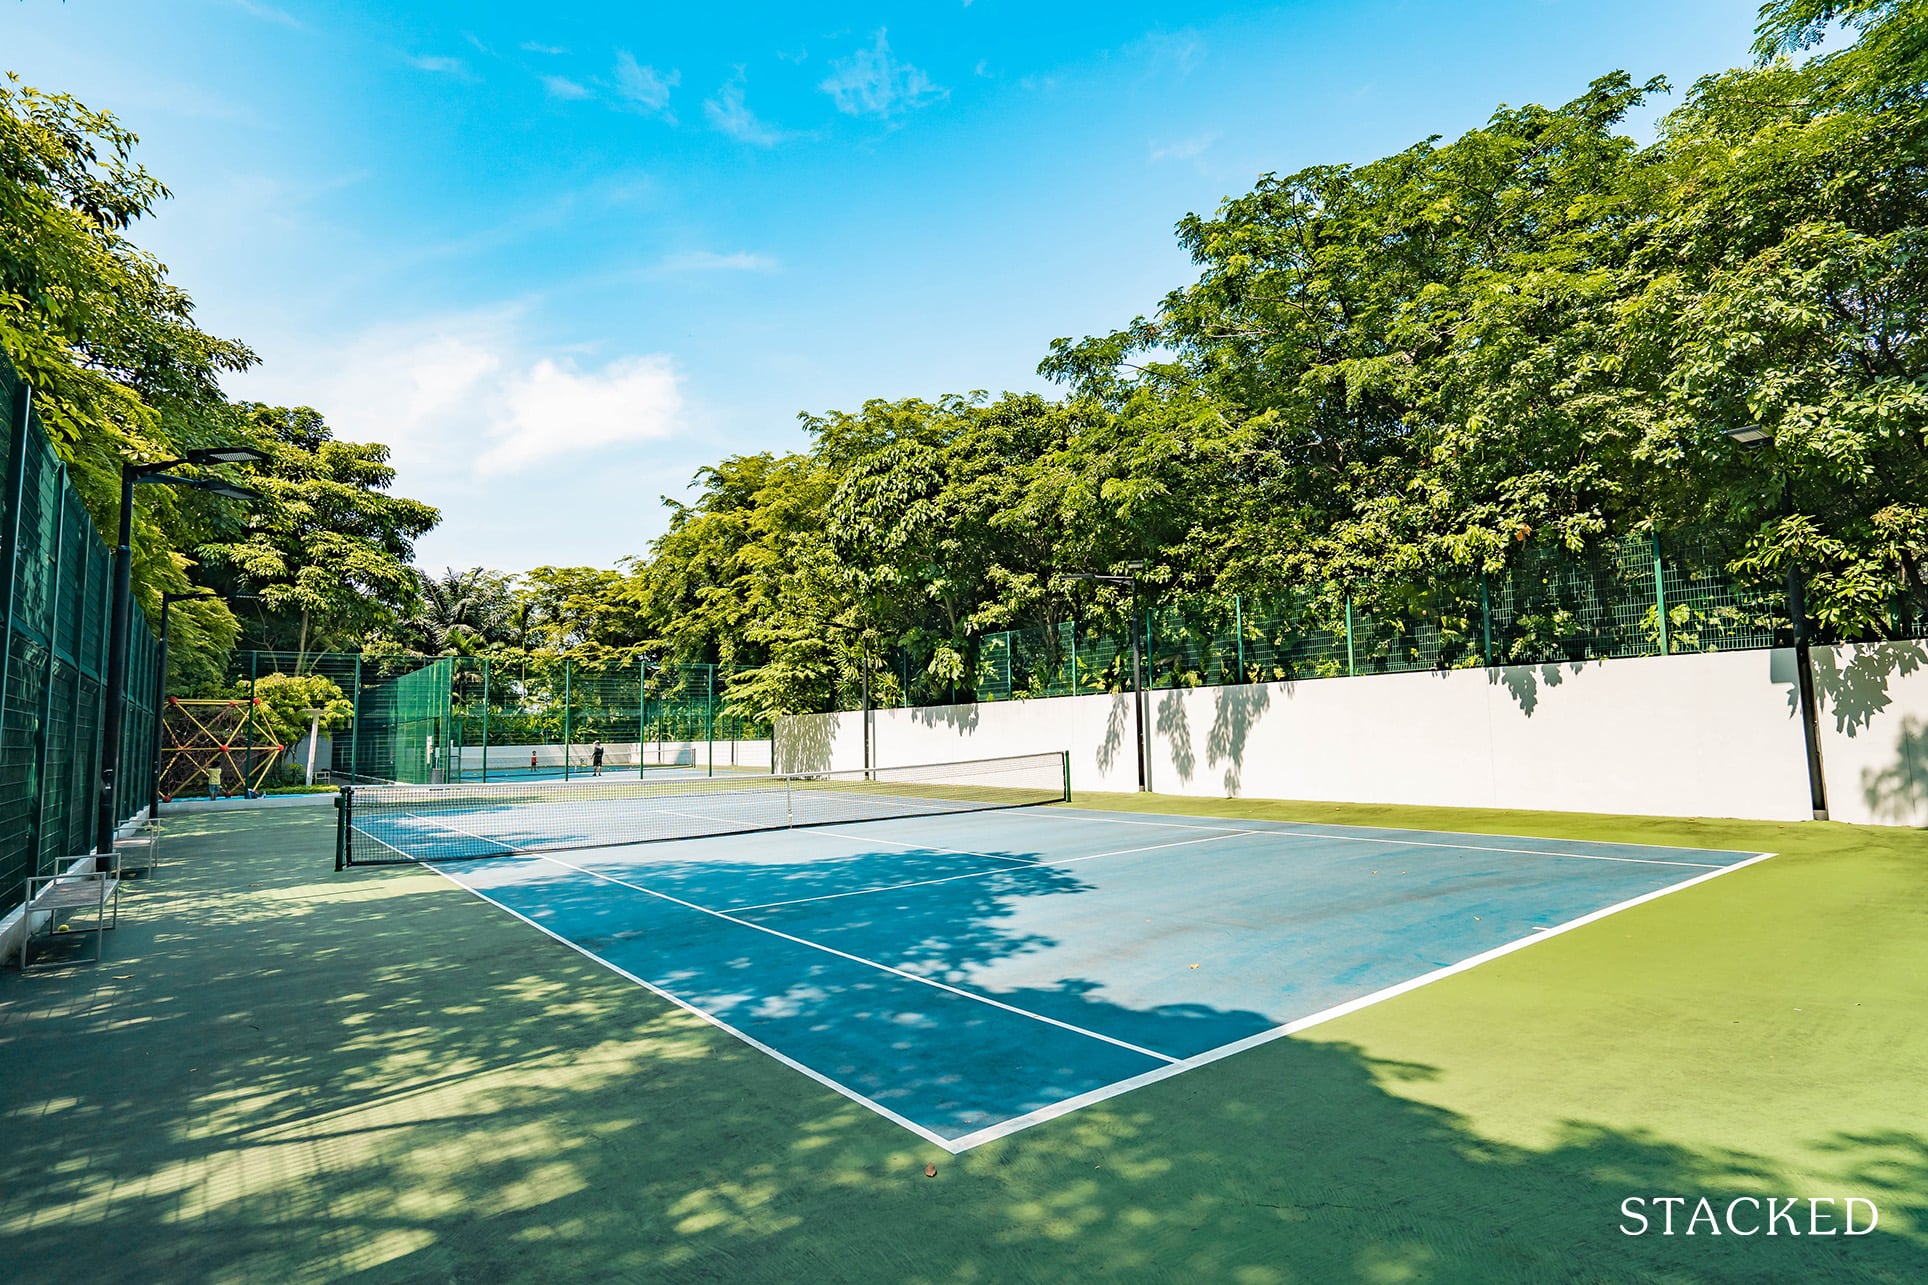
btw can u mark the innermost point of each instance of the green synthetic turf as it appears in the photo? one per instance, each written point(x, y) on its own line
point(285, 1074)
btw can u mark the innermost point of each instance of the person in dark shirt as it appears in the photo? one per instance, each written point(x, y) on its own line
point(595, 760)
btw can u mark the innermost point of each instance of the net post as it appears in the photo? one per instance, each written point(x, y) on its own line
point(1660, 593)
point(343, 801)
point(789, 814)
point(1066, 756)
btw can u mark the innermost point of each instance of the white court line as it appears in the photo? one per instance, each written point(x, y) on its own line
point(1420, 843)
point(828, 950)
point(1007, 1127)
point(975, 874)
point(1098, 814)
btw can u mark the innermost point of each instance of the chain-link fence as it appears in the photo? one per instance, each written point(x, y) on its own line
point(55, 577)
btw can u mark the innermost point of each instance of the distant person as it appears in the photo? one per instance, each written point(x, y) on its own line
point(532, 760)
point(595, 760)
point(214, 783)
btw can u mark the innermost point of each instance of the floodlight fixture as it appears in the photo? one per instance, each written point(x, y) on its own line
point(225, 455)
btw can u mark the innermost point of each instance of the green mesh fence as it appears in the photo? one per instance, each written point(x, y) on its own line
point(405, 724)
point(1641, 595)
point(544, 715)
point(428, 720)
point(55, 578)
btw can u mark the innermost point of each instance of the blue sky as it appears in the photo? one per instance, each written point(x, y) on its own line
point(561, 256)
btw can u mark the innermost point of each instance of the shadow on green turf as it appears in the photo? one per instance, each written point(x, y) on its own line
point(285, 1075)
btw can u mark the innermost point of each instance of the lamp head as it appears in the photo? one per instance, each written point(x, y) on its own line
point(225, 455)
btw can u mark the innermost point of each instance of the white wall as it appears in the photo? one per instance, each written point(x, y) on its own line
point(1697, 735)
point(1873, 706)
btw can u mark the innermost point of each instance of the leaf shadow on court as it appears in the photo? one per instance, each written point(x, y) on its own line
point(963, 919)
point(286, 1074)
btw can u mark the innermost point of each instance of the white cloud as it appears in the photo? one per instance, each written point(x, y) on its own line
point(268, 13)
point(710, 261)
point(563, 87)
point(554, 409)
point(532, 47)
point(438, 64)
point(871, 82)
point(461, 400)
point(1184, 149)
point(728, 114)
point(643, 87)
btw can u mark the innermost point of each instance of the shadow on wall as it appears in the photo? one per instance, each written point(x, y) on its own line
point(1523, 682)
point(804, 742)
point(1172, 724)
point(1235, 710)
point(1898, 794)
point(1115, 723)
point(1853, 694)
point(959, 718)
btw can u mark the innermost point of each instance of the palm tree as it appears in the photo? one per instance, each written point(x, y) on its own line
point(462, 611)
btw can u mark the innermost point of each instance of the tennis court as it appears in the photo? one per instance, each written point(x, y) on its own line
point(970, 973)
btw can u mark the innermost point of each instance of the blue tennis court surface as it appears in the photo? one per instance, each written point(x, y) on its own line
point(969, 975)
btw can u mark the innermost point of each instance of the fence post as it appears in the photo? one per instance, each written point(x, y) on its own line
point(354, 728)
point(485, 718)
point(709, 719)
point(247, 761)
point(566, 729)
point(1238, 628)
point(642, 710)
point(1351, 668)
point(1660, 594)
point(1150, 655)
point(1486, 618)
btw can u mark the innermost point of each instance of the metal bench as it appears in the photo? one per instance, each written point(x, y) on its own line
point(59, 895)
point(140, 854)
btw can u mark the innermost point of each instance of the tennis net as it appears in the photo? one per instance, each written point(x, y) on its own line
point(384, 825)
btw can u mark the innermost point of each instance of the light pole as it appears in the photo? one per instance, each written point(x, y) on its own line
point(1130, 580)
point(160, 691)
point(863, 633)
point(1753, 437)
point(112, 715)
